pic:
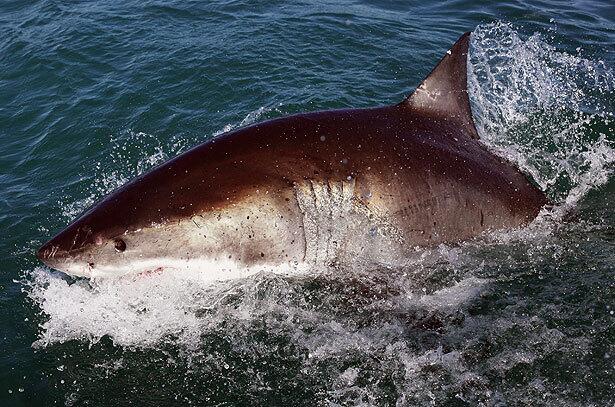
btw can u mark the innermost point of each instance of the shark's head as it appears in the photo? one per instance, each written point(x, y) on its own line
point(90, 247)
point(171, 219)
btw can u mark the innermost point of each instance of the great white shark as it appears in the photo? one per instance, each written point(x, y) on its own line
point(314, 188)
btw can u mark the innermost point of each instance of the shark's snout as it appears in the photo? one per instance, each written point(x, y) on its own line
point(46, 252)
point(52, 254)
point(57, 256)
point(62, 248)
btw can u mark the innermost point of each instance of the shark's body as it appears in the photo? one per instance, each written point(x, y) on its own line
point(312, 188)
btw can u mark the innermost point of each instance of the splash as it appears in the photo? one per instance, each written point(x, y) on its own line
point(548, 111)
point(250, 118)
point(134, 312)
point(436, 330)
point(146, 311)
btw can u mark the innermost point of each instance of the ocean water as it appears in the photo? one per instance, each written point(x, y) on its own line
point(94, 93)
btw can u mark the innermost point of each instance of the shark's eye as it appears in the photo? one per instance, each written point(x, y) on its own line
point(120, 245)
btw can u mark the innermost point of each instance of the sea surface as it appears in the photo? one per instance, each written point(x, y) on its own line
point(93, 93)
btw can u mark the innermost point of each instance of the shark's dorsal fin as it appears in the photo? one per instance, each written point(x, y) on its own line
point(445, 91)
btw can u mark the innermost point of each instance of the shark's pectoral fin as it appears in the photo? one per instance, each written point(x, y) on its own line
point(444, 92)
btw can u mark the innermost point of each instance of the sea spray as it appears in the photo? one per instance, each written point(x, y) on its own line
point(548, 111)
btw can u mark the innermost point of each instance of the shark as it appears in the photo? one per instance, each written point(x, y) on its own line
point(315, 188)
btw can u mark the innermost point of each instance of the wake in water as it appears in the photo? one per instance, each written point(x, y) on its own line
point(447, 326)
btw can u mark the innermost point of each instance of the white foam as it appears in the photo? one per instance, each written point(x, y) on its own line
point(133, 311)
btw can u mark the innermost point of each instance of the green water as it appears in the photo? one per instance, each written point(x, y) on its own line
point(94, 93)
